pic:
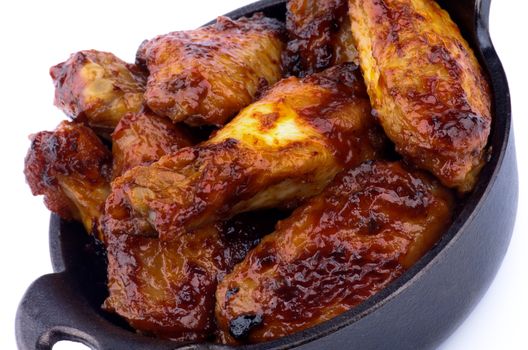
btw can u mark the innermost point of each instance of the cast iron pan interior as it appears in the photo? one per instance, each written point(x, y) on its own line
point(418, 310)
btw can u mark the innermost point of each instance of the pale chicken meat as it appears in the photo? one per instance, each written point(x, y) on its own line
point(426, 86)
point(205, 76)
point(278, 151)
point(334, 252)
point(71, 167)
point(98, 89)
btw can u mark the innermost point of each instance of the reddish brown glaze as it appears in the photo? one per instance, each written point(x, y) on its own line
point(205, 76)
point(337, 250)
point(144, 137)
point(71, 168)
point(98, 88)
point(168, 289)
point(319, 36)
point(426, 85)
point(280, 150)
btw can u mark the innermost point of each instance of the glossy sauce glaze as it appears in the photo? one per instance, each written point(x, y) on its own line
point(319, 36)
point(71, 167)
point(337, 250)
point(143, 138)
point(98, 89)
point(205, 76)
point(428, 90)
point(167, 289)
point(188, 259)
point(278, 151)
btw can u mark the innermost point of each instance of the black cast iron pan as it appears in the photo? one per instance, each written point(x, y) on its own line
point(417, 311)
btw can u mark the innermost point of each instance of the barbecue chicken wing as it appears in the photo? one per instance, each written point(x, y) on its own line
point(144, 137)
point(341, 247)
point(98, 88)
point(425, 84)
point(207, 75)
point(71, 168)
point(168, 289)
point(319, 36)
point(282, 149)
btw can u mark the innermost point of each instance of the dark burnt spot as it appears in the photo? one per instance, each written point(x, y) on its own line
point(343, 80)
point(455, 127)
point(241, 326)
point(267, 121)
point(199, 285)
point(373, 225)
point(312, 44)
point(244, 231)
point(265, 260)
point(186, 80)
point(231, 292)
point(262, 87)
point(141, 54)
point(440, 55)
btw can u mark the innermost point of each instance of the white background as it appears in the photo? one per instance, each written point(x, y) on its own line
point(36, 35)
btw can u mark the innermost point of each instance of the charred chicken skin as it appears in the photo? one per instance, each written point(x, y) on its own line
point(195, 248)
point(425, 84)
point(279, 150)
point(143, 138)
point(98, 88)
point(168, 289)
point(205, 76)
point(337, 250)
point(319, 36)
point(71, 168)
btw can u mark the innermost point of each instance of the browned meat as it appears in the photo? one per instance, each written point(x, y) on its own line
point(168, 289)
point(426, 85)
point(71, 168)
point(319, 36)
point(337, 250)
point(143, 138)
point(281, 149)
point(206, 75)
point(98, 88)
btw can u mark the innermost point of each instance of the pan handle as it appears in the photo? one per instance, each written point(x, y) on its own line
point(42, 319)
point(51, 310)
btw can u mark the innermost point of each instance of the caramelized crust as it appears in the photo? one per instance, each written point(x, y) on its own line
point(71, 168)
point(144, 137)
point(168, 289)
point(319, 36)
point(280, 150)
point(207, 75)
point(337, 250)
point(97, 88)
point(165, 289)
point(425, 84)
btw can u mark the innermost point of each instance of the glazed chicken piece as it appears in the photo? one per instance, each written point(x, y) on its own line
point(71, 168)
point(205, 76)
point(143, 138)
point(334, 252)
point(426, 85)
point(97, 88)
point(168, 289)
point(278, 151)
point(319, 36)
